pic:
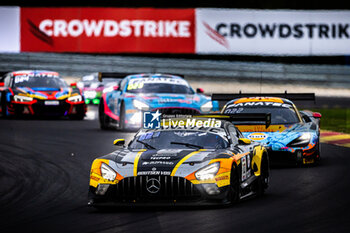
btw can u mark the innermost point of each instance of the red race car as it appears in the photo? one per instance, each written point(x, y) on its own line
point(40, 93)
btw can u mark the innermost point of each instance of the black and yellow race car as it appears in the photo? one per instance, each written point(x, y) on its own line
point(199, 161)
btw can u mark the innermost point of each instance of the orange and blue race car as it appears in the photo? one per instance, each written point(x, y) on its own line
point(293, 135)
point(40, 93)
point(192, 161)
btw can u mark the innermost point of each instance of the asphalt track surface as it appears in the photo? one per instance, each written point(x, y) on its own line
point(44, 177)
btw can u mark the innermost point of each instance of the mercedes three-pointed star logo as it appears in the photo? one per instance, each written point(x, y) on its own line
point(153, 185)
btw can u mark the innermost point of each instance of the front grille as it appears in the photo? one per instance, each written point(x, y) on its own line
point(172, 111)
point(171, 188)
point(40, 108)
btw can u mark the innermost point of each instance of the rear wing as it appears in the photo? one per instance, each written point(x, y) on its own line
point(290, 96)
point(102, 75)
point(2, 75)
point(253, 117)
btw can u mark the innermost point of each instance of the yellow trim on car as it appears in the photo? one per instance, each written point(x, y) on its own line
point(183, 160)
point(136, 161)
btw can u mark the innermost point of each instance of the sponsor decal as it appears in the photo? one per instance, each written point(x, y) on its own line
point(257, 137)
point(222, 178)
point(94, 178)
point(261, 128)
point(262, 104)
point(158, 163)
point(244, 168)
point(161, 158)
point(155, 173)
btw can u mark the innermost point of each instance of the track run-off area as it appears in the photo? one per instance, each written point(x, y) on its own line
point(44, 179)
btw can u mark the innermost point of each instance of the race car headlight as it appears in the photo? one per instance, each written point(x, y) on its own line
point(301, 141)
point(140, 105)
point(207, 107)
point(208, 172)
point(107, 172)
point(20, 98)
point(76, 98)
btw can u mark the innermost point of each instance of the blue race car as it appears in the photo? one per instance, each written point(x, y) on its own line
point(292, 136)
point(122, 106)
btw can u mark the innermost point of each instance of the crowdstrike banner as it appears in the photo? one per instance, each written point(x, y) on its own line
point(108, 30)
point(189, 31)
point(272, 32)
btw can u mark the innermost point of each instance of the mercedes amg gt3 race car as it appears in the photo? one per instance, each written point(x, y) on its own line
point(40, 93)
point(169, 94)
point(199, 161)
point(293, 136)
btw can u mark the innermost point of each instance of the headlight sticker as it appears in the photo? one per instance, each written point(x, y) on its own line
point(257, 136)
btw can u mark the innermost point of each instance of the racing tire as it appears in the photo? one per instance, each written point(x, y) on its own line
point(122, 118)
point(318, 153)
point(234, 189)
point(104, 120)
point(263, 179)
point(4, 109)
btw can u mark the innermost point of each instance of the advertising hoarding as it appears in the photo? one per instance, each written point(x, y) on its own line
point(107, 30)
point(272, 32)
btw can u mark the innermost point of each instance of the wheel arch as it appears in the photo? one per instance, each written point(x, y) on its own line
point(259, 154)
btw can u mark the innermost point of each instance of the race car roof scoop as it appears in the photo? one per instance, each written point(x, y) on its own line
point(290, 96)
point(103, 75)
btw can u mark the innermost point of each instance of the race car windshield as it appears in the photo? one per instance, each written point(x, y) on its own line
point(279, 115)
point(178, 139)
point(161, 88)
point(39, 81)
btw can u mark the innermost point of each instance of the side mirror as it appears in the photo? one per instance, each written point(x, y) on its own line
point(2, 84)
point(200, 90)
point(116, 88)
point(73, 85)
point(244, 141)
point(316, 115)
point(119, 142)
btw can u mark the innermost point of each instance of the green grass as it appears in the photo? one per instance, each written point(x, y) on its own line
point(335, 119)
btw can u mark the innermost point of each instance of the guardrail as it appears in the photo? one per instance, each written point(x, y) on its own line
point(77, 65)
